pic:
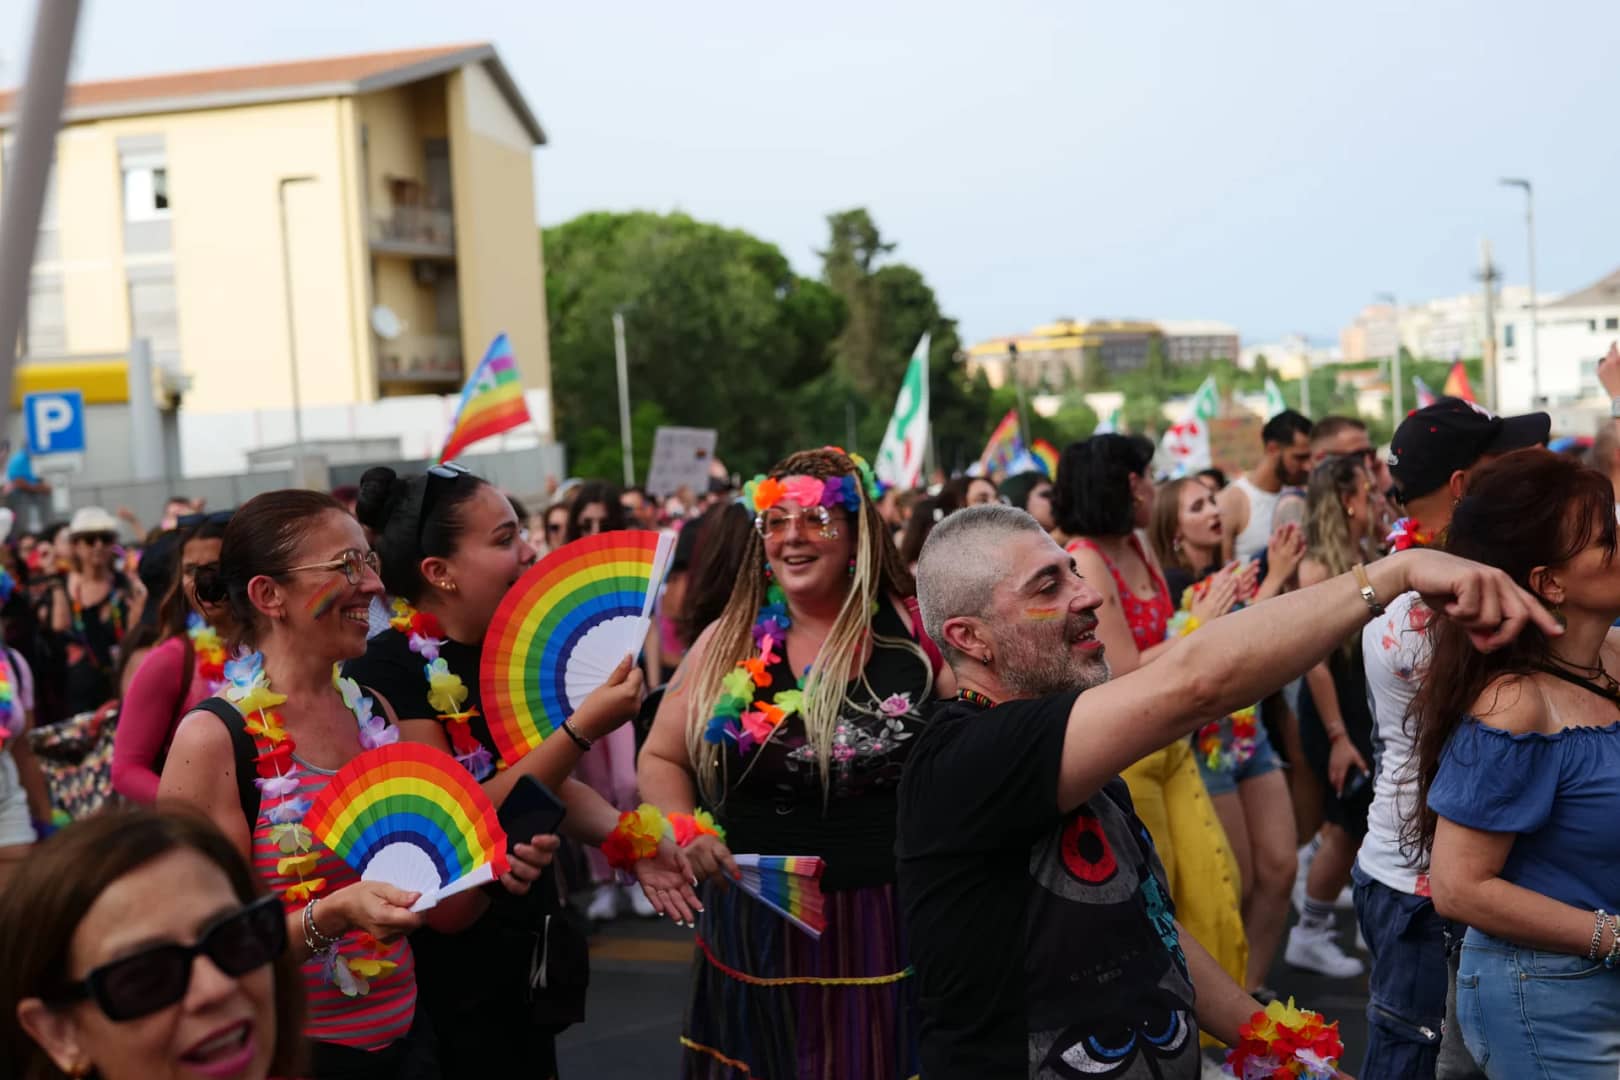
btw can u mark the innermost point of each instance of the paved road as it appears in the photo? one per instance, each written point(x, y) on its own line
point(638, 989)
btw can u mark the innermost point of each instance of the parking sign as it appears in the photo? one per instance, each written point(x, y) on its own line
point(55, 422)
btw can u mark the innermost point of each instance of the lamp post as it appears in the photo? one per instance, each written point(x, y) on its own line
point(1530, 242)
point(292, 326)
point(1395, 386)
point(623, 364)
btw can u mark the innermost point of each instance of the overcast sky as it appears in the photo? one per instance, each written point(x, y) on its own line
point(1270, 165)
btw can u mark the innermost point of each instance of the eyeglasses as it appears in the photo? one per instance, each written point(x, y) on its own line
point(354, 565)
point(773, 521)
point(92, 539)
point(155, 978)
point(446, 470)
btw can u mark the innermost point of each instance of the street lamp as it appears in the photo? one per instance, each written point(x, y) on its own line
point(622, 364)
point(1395, 387)
point(1530, 241)
point(292, 326)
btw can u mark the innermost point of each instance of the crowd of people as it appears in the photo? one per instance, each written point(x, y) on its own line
point(1069, 748)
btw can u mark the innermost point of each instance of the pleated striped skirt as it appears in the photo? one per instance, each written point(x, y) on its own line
point(768, 1002)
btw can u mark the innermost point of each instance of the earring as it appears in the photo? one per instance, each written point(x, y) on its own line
point(768, 574)
point(1350, 512)
point(1175, 545)
point(852, 566)
point(987, 659)
point(1557, 613)
point(448, 586)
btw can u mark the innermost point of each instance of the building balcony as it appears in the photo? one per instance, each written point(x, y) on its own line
point(415, 232)
point(420, 358)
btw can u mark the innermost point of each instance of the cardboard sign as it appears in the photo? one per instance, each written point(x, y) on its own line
point(1234, 443)
point(681, 458)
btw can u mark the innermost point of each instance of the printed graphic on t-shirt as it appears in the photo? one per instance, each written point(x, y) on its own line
point(1106, 980)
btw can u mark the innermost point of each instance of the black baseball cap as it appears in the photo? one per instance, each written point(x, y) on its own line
point(1452, 434)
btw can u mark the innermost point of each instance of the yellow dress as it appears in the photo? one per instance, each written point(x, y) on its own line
point(1172, 802)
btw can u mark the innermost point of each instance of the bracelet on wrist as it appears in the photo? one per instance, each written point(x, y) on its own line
point(1285, 1041)
point(635, 837)
point(1364, 585)
point(317, 941)
point(685, 828)
point(1614, 943)
point(572, 732)
point(1599, 921)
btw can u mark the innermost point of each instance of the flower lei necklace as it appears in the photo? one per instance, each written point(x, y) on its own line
point(1407, 534)
point(1217, 753)
point(209, 652)
point(248, 688)
point(739, 715)
point(446, 692)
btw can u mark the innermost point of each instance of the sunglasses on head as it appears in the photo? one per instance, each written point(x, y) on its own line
point(435, 476)
point(97, 538)
point(155, 978)
point(191, 521)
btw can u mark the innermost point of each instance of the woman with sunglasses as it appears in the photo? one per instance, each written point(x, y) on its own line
point(450, 550)
point(186, 666)
point(823, 626)
point(597, 508)
point(91, 608)
point(1335, 722)
point(139, 944)
point(296, 579)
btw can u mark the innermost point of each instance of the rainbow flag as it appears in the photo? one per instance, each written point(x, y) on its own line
point(1005, 444)
point(491, 402)
point(1457, 383)
point(1047, 455)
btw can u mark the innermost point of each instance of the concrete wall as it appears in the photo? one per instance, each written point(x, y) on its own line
point(497, 239)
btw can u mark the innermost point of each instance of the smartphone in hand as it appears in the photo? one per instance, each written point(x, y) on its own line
point(530, 810)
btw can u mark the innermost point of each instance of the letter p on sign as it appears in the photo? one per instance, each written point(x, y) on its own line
point(55, 422)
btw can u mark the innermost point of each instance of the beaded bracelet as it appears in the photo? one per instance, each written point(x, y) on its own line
point(312, 933)
point(635, 837)
point(1614, 946)
point(1598, 923)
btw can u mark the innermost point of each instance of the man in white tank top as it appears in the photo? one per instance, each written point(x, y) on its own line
point(1249, 503)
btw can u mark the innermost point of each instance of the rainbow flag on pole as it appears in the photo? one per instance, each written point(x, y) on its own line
point(491, 402)
point(1005, 444)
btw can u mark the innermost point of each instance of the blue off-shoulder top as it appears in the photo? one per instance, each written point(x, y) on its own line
point(1559, 792)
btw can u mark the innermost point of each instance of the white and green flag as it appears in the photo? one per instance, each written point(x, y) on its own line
point(900, 458)
point(1275, 402)
point(1206, 400)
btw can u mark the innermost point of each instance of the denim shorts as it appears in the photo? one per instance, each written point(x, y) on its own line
point(1526, 1014)
point(1223, 781)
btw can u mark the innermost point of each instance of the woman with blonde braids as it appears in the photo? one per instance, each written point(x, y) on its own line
point(789, 721)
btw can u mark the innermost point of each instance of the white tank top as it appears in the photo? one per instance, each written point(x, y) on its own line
point(1251, 542)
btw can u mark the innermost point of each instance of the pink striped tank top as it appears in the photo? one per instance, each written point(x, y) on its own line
point(382, 1009)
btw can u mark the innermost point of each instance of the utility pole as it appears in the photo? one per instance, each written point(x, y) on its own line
point(1305, 376)
point(1488, 277)
point(1018, 385)
point(1535, 301)
point(624, 397)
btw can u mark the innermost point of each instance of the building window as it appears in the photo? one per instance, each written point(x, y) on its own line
point(1611, 323)
point(47, 317)
point(1507, 335)
point(146, 193)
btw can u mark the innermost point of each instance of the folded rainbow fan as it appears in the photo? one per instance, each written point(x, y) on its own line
point(563, 628)
point(789, 885)
point(411, 816)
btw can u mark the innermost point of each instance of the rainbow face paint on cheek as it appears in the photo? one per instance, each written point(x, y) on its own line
point(321, 604)
point(1042, 614)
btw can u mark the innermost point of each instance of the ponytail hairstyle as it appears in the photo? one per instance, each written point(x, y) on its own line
point(412, 519)
point(878, 573)
point(261, 541)
point(1527, 509)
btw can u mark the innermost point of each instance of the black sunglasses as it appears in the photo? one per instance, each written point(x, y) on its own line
point(191, 521)
point(93, 539)
point(155, 978)
point(444, 471)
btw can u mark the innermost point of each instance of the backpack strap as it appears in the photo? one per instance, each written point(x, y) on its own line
point(187, 673)
point(245, 751)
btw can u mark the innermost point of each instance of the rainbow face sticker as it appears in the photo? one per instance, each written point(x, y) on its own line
point(1042, 614)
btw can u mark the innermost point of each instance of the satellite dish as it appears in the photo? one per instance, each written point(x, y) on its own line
point(386, 323)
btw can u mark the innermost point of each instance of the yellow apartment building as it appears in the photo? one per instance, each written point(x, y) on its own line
point(395, 190)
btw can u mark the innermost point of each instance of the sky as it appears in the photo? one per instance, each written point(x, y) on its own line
point(1270, 165)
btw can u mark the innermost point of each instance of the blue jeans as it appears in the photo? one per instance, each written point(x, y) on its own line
point(1533, 1015)
point(1406, 991)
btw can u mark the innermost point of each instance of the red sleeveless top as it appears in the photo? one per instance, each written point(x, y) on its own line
point(1149, 618)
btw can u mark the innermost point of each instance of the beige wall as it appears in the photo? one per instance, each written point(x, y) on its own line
point(90, 199)
point(497, 239)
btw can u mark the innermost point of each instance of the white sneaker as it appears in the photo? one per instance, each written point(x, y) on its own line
point(639, 902)
point(604, 905)
point(1316, 950)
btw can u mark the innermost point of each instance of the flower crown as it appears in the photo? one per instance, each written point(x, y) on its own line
point(763, 492)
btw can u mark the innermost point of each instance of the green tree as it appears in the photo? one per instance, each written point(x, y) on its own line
point(721, 333)
point(849, 268)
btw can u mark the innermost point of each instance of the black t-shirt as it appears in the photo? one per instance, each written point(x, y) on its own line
point(1045, 943)
point(390, 668)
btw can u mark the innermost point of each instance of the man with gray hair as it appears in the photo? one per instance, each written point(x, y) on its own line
point(1040, 921)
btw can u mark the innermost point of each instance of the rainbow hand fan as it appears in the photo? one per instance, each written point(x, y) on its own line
point(411, 816)
point(563, 628)
point(789, 885)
